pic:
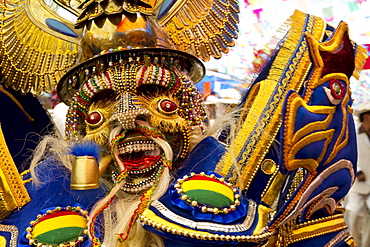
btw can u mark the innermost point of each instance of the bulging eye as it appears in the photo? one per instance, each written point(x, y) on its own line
point(167, 106)
point(95, 118)
point(336, 89)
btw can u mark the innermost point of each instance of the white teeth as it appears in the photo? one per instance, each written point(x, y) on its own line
point(137, 146)
point(153, 152)
point(144, 184)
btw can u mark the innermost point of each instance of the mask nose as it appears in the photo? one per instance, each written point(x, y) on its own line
point(128, 109)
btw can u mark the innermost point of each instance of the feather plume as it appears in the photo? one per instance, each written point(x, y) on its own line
point(86, 148)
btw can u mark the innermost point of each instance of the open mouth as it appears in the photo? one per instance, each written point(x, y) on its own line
point(139, 156)
point(142, 159)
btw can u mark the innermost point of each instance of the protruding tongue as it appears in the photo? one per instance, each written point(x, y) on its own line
point(141, 162)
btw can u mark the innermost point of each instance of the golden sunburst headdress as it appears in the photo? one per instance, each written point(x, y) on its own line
point(38, 46)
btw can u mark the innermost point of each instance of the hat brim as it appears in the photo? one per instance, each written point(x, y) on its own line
point(71, 82)
point(361, 109)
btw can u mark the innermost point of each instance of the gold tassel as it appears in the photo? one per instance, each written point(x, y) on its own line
point(287, 72)
point(360, 59)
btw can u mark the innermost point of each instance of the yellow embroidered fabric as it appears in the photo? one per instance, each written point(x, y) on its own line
point(264, 116)
point(2, 242)
point(318, 228)
point(13, 194)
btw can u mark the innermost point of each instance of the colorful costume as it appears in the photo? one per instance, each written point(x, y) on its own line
point(268, 178)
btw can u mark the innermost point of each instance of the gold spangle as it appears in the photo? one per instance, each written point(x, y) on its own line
point(177, 186)
point(268, 166)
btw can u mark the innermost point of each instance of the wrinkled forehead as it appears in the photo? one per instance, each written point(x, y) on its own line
point(128, 69)
point(133, 78)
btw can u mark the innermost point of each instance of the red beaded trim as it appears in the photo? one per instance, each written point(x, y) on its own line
point(95, 240)
point(144, 68)
point(336, 95)
point(144, 203)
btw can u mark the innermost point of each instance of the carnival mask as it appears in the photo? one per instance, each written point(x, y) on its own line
point(141, 115)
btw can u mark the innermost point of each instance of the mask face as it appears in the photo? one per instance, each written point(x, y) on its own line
point(141, 116)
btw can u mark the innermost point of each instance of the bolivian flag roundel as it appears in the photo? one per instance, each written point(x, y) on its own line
point(209, 191)
point(59, 227)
